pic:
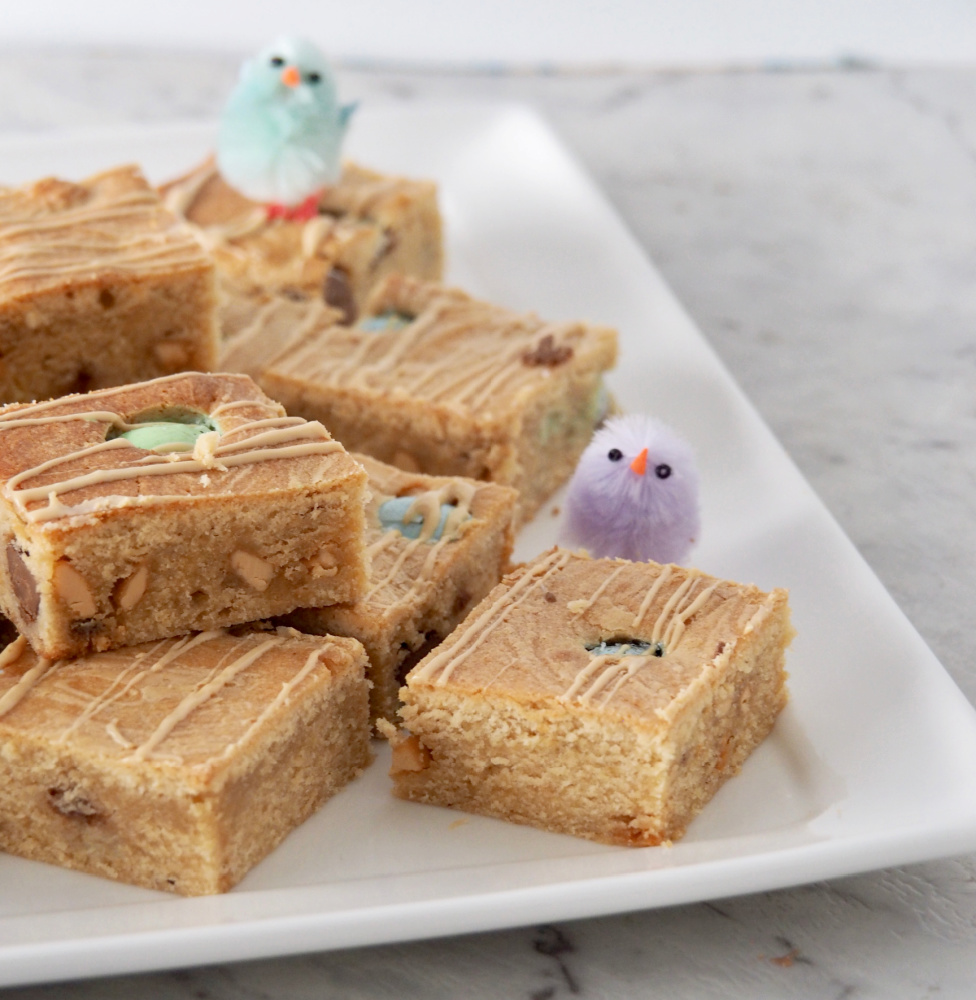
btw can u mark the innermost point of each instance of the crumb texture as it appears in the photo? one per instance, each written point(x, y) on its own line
point(600, 698)
point(176, 765)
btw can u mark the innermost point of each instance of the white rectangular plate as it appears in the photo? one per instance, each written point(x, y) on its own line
point(870, 765)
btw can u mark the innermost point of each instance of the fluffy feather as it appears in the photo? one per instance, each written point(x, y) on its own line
point(612, 510)
point(282, 129)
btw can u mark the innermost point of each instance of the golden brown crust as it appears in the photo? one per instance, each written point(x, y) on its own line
point(107, 227)
point(465, 388)
point(515, 717)
point(563, 602)
point(368, 225)
point(34, 436)
point(160, 764)
point(418, 590)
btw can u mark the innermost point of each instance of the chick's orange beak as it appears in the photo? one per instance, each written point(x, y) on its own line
point(291, 77)
point(639, 464)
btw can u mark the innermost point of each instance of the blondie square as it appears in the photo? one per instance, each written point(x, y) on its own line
point(428, 571)
point(176, 765)
point(99, 286)
point(601, 698)
point(432, 380)
point(188, 502)
point(368, 225)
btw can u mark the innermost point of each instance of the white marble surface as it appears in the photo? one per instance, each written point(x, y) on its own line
point(819, 228)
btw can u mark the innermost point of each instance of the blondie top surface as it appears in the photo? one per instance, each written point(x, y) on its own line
point(631, 639)
point(67, 458)
point(54, 233)
point(222, 216)
point(420, 340)
point(191, 704)
point(412, 521)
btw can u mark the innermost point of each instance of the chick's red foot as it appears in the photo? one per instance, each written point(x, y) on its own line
point(301, 212)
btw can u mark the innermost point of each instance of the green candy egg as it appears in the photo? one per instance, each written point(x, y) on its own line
point(178, 434)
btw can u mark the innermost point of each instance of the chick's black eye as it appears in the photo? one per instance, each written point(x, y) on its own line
point(313, 77)
point(615, 454)
point(662, 471)
point(277, 62)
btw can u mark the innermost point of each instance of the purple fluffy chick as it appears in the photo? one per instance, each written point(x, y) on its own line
point(634, 493)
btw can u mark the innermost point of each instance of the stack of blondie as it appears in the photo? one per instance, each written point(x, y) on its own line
point(215, 601)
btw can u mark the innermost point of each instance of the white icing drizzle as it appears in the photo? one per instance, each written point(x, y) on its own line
point(448, 660)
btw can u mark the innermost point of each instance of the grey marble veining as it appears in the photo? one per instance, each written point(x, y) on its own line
point(818, 226)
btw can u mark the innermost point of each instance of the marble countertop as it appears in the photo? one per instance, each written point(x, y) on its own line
point(818, 226)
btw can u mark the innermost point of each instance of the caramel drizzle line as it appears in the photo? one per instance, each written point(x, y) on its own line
point(182, 645)
point(353, 369)
point(412, 545)
point(677, 627)
point(105, 698)
point(396, 347)
point(369, 193)
point(203, 694)
point(597, 664)
point(14, 414)
point(28, 681)
point(162, 257)
point(671, 637)
point(91, 416)
point(145, 249)
point(235, 351)
point(181, 196)
point(467, 378)
point(153, 465)
point(383, 542)
point(488, 622)
point(668, 609)
point(428, 505)
point(279, 699)
point(585, 606)
point(661, 580)
point(123, 204)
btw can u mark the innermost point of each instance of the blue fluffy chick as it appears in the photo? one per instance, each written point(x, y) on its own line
point(282, 129)
point(634, 493)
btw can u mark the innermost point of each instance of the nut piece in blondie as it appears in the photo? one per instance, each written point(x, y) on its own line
point(176, 765)
point(99, 286)
point(434, 381)
point(368, 225)
point(437, 546)
point(601, 698)
point(186, 503)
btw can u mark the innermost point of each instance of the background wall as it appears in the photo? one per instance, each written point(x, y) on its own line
point(636, 32)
